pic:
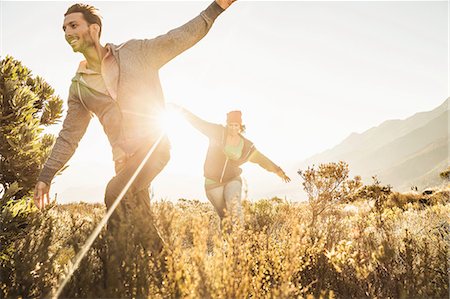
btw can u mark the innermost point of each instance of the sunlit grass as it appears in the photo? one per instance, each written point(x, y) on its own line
point(397, 252)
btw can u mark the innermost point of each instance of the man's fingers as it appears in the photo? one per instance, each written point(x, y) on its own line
point(48, 198)
point(41, 195)
point(224, 4)
point(45, 199)
point(37, 197)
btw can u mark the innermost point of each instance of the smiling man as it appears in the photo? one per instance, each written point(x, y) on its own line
point(120, 85)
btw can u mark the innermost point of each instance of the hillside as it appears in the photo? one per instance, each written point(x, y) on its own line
point(401, 153)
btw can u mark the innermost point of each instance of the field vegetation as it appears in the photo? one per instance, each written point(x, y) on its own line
point(348, 240)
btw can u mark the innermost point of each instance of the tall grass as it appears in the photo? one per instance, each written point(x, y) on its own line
point(357, 252)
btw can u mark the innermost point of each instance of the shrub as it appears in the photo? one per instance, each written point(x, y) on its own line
point(327, 185)
point(342, 256)
point(26, 105)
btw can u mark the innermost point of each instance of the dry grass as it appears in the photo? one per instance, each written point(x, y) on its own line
point(348, 253)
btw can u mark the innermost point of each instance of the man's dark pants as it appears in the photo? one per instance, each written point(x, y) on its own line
point(131, 224)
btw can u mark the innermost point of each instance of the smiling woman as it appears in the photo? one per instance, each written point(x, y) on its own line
point(228, 150)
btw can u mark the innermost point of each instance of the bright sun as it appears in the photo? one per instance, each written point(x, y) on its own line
point(188, 150)
point(171, 121)
point(182, 135)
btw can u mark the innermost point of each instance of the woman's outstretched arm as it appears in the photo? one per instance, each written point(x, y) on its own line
point(205, 127)
point(258, 158)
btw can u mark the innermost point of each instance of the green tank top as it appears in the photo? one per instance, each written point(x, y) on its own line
point(233, 152)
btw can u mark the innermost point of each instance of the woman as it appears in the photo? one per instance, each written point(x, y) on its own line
point(227, 151)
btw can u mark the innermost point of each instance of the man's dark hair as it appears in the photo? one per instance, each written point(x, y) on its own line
point(90, 14)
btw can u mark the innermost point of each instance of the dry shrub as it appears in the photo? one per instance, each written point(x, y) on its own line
point(385, 252)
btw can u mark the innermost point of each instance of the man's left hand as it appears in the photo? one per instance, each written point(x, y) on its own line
point(225, 3)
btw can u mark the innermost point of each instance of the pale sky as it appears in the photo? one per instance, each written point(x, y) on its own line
point(305, 75)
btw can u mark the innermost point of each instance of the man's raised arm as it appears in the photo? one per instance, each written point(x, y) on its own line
point(160, 50)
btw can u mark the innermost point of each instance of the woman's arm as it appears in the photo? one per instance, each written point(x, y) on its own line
point(258, 158)
point(207, 128)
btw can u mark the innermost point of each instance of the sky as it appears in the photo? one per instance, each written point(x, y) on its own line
point(305, 74)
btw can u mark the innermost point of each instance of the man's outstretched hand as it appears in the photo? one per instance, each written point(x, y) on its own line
point(41, 195)
point(225, 3)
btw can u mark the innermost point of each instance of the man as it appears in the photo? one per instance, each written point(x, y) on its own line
point(121, 86)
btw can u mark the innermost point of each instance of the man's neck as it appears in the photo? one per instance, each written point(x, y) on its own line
point(94, 56)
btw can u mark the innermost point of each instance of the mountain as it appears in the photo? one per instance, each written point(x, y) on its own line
point(402, 153)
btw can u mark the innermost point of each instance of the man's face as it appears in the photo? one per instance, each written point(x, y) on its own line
point(77, 32)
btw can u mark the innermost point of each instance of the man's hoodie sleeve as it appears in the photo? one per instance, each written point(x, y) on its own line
point(162, 49)
point(74, 127)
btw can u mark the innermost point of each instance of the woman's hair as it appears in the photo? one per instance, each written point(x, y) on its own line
point(90, 14)
point(243, 127)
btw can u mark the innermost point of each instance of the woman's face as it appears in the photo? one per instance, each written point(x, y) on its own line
point(233, 128)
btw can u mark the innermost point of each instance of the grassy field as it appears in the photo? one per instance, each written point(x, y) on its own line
point(399, 249)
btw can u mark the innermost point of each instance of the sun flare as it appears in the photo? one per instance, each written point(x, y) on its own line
point(171, 121)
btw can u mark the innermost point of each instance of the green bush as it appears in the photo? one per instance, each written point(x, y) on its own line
point(27, 104)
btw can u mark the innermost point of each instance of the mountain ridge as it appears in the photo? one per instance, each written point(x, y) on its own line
point(391, 150)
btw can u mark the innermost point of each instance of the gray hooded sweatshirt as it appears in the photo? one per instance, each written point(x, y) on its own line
point(130, 121)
